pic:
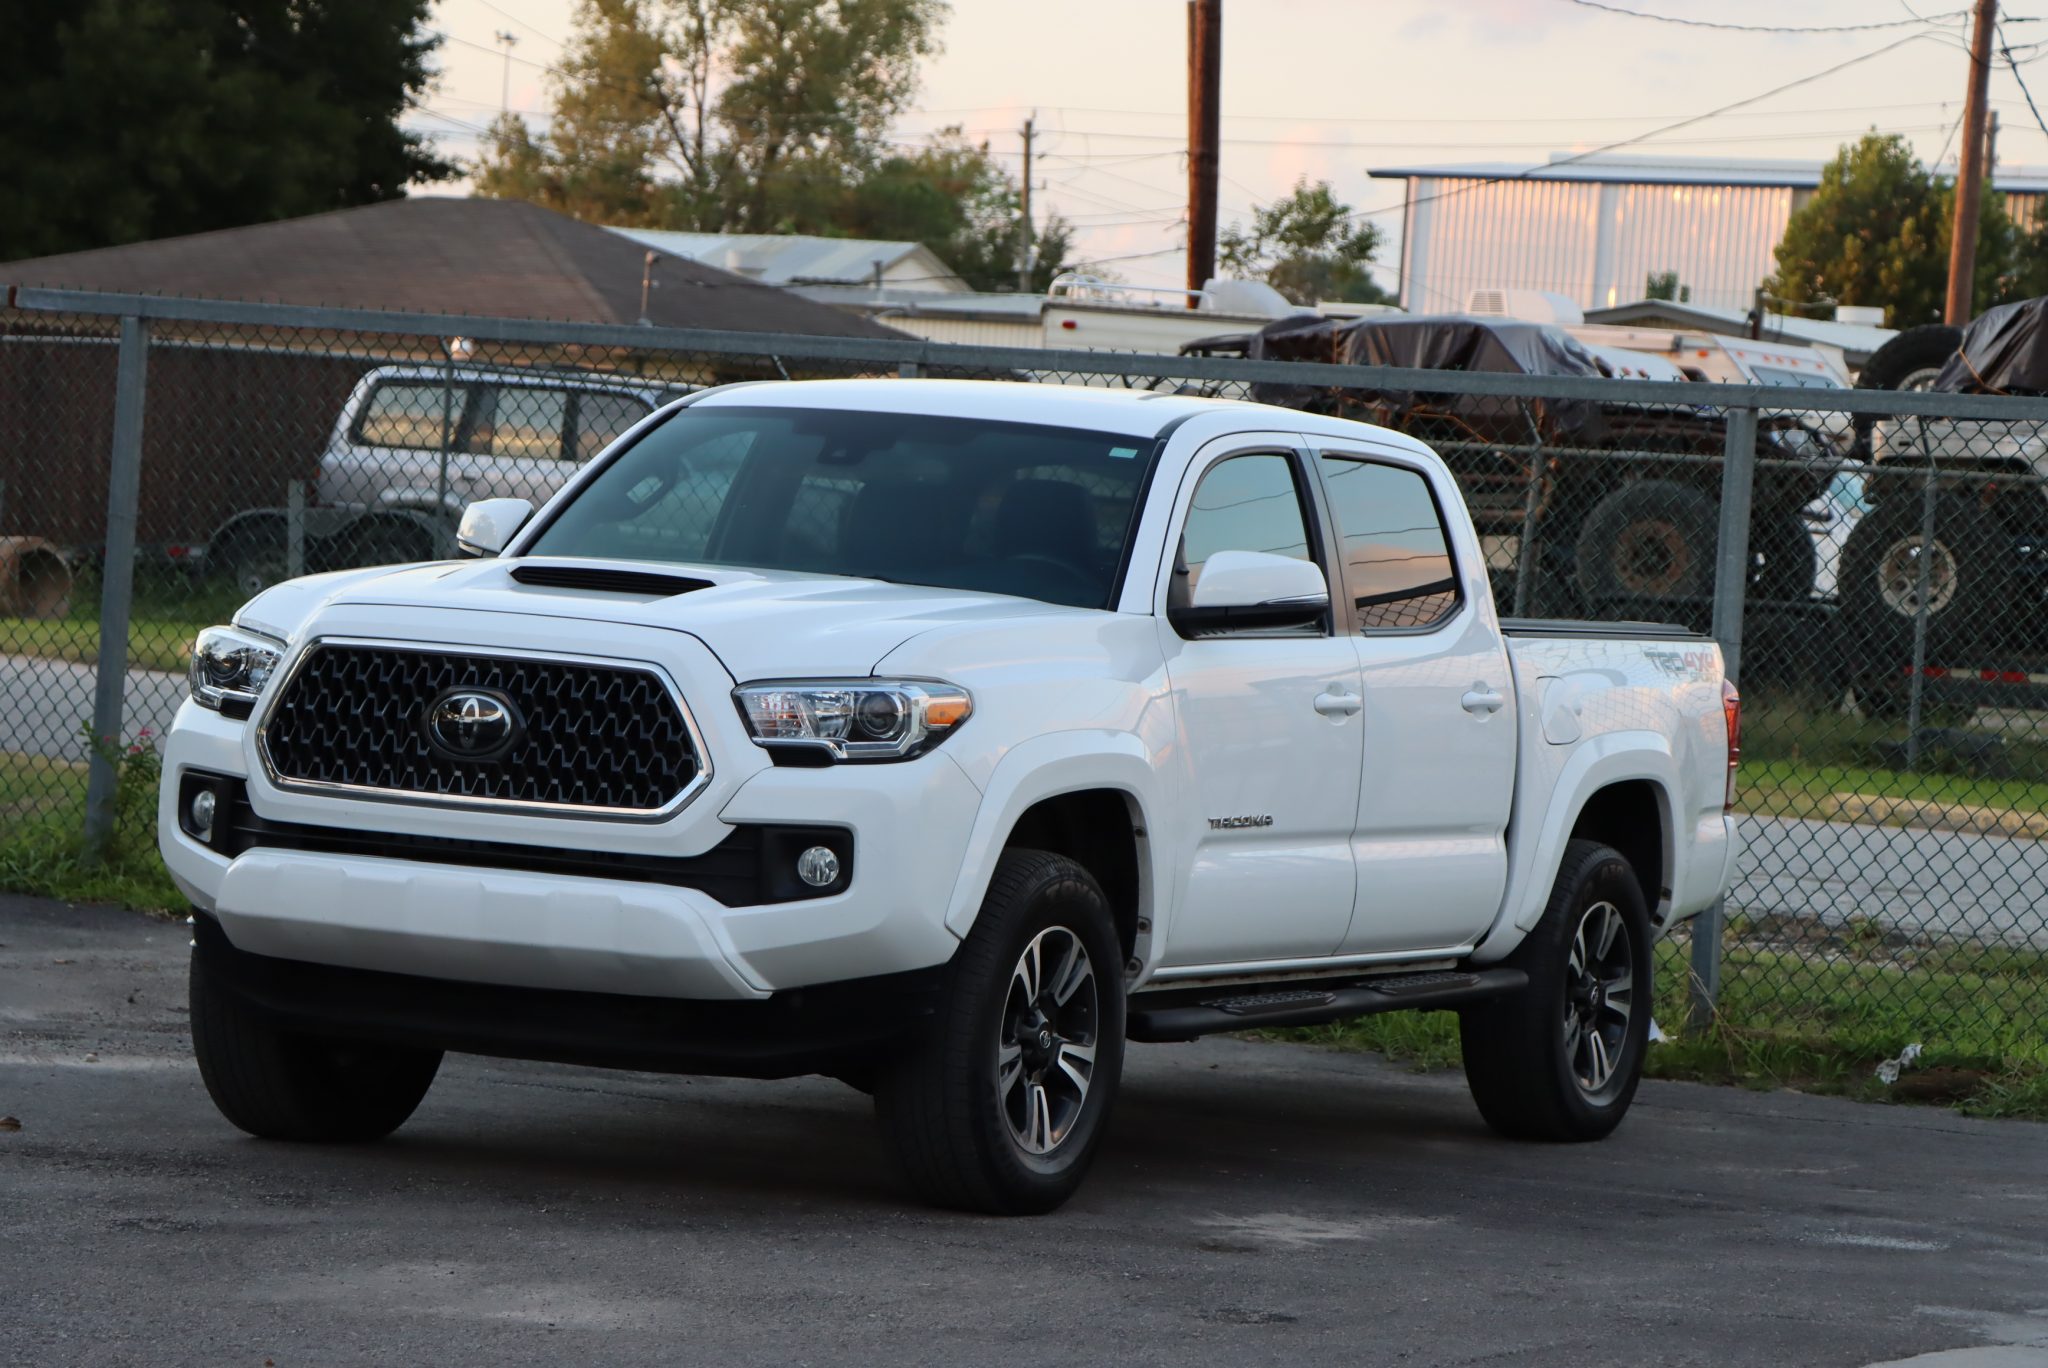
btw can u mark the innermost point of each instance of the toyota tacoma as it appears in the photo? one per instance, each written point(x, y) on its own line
point(940, 737)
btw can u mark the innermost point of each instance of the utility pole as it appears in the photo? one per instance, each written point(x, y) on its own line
point(507, 41)
point(1024, 261)
point(1962, 247)
point(1205, 89)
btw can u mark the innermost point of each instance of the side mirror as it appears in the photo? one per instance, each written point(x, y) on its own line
point(1252, 591)
point(488, 524)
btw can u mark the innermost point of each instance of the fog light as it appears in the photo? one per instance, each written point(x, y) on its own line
point(199, 817)
point(817, 866)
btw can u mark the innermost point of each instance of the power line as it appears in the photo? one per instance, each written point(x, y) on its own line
point(1530, 172)
point(1770, 28)
point(2039, 122)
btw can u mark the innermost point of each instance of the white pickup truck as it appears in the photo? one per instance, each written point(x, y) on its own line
point(940, 737)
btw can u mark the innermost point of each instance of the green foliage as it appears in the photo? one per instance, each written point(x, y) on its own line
point(1308, 247)
point(763, 116)
point(1664, 285)
point(42, 830)
point(1877, 231)
point(122, 120)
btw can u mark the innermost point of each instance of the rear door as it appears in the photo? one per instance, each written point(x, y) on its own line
point(521, 445)
point(1268, 728)
point(1439, 735)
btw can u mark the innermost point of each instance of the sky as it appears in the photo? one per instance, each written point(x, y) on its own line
point(1330, 89)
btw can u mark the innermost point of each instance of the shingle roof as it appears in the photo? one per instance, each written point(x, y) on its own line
point(435, 254)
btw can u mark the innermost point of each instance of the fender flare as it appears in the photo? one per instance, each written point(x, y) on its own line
point(1617, 757)
point(1046, 767)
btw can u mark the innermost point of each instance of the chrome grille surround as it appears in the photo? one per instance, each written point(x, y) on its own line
point(581, 751)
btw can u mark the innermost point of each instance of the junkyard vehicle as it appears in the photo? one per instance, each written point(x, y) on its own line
point(1982, 576)
point(413, 445)
point(939, 736)
point(1621, 499)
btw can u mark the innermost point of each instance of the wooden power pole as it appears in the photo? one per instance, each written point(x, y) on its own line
point(1970, 173)
point(1025, 264)
point(1205, 86)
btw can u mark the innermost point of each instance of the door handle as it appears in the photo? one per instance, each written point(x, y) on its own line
point(1338, 704)
point(1480, 699)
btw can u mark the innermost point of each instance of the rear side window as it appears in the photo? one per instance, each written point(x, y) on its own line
point(525, 422)
point(1245, 503)
point(418, 415)
point(1397, 556)
point(600, 418)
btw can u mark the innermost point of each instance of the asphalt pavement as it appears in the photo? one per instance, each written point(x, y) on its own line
point(1256, 1204)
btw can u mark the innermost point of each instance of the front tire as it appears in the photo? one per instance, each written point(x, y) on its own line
point(1001, 1103)
point(1561, 1059)
point(281, 1085)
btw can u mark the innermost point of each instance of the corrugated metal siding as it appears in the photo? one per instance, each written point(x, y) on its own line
point(973, 332)
point(1594, 244)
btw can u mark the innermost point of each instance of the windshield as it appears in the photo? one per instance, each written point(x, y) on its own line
point(1010, 508)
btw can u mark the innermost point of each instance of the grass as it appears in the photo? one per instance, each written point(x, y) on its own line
point(1817, 1009)
point(42, 834)
point(168, 610)
point(1797, 760)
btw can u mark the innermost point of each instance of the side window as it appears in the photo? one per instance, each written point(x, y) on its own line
point(1245, 503)
point(525, 422)
point(416, 415)
point(601, 417)
point(1397, 558)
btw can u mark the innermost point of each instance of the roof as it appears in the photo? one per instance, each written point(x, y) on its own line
point(1857, 341)
point(1139, 413)
point(795, 259)
point(440, 254)
point(1794, 175)
point(1005, 307)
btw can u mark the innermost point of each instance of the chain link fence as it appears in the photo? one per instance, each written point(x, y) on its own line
point(1874, 565)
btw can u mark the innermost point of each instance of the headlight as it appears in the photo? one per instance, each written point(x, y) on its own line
point(856, 719)
point(230, 666)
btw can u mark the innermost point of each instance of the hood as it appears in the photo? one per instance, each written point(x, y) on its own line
point(760, 624)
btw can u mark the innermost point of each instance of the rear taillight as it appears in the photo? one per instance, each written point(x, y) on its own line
point(1731, 709)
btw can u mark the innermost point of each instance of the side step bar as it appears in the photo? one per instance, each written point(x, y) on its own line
point(1312, 1006)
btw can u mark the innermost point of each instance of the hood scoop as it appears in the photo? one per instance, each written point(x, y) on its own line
point(603, 580)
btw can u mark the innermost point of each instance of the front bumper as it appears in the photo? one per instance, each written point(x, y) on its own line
point(841, 1029)
point(467, 922)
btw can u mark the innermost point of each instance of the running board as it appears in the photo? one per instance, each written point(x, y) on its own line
point(1314, 1006)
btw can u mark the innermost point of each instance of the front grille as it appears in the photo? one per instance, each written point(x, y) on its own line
point(605, 737)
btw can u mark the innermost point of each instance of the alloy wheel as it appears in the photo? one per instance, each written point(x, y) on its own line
point(1599, 999)
point(1045, 1054)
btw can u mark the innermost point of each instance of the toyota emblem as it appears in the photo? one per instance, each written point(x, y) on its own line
point(472, 724)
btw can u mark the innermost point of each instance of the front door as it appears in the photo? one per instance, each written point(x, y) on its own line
point(1439, 718)
point(1268, 727)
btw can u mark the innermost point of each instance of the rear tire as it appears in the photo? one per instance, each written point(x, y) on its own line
point(282, 1085)
point(1000, 1104)
point(1561, 1059)
point(1970, 589)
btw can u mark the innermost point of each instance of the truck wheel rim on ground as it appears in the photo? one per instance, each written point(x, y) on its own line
point(1599, 999)
point(1045, 1058)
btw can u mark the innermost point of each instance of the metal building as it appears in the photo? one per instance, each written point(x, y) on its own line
point(1595, 230)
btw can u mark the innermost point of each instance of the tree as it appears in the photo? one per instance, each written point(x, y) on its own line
point(717, 115)
point(1876, 232)
point(129, 119)
point(1308, 247)
point(1664, 285)
point(953, 197)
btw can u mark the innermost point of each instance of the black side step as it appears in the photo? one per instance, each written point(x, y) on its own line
point(1311, 1006)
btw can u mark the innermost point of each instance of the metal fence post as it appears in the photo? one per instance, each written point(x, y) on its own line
point(1731, 586)
point(117, 584)
point(1526, 552)
point(1916, 686)
point(294, 528)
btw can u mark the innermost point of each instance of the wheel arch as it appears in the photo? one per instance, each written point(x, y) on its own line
point(1087, 795)
point(1639, 774)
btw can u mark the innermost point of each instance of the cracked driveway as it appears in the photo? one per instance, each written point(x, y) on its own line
point(1256, 1204)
